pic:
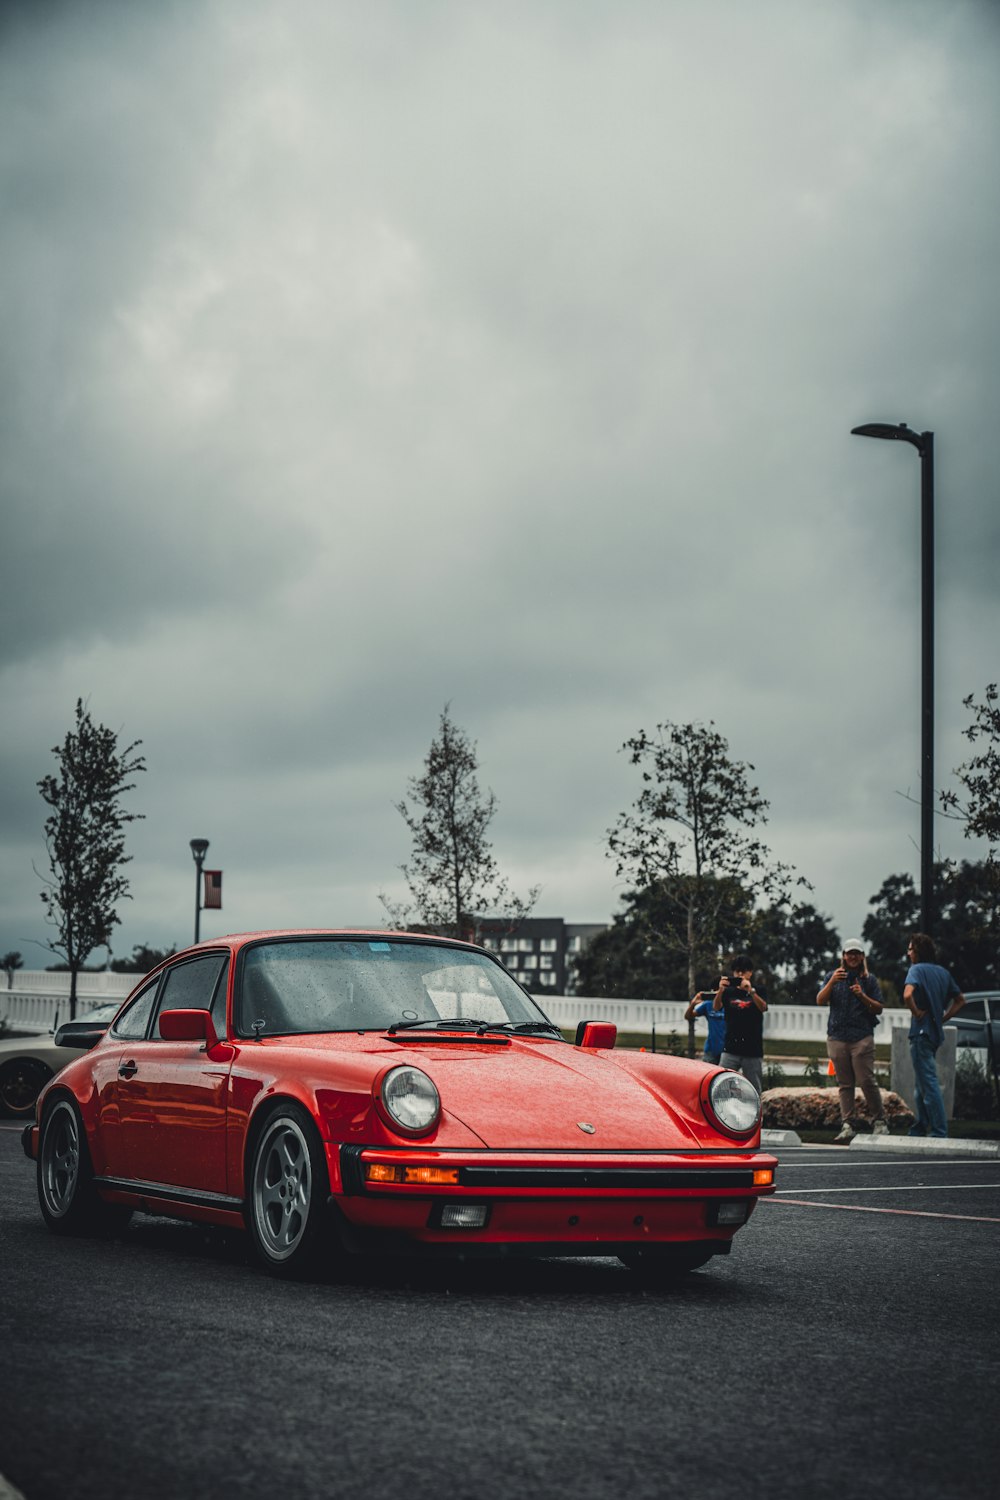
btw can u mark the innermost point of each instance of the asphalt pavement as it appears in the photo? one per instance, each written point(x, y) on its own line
point(849, 1342)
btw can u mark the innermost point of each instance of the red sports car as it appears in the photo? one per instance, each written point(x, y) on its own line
point(364, 1092)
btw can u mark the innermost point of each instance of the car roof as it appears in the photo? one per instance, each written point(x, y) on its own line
point(237, 940)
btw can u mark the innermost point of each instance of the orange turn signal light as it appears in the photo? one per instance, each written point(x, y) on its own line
point(376, 1171)
point(763, 1176)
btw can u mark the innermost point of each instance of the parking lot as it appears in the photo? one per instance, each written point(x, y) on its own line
point(849, 1340)
point(832, 1179)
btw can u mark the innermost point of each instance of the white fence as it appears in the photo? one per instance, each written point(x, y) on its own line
point(37, 996)
point(786, 1023)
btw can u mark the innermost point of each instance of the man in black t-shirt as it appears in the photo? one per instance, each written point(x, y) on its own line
point(744, 1008)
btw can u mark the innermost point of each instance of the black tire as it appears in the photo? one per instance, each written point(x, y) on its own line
point(21, 1082)
point(66, 1192)
point(665, 1262)
point(288, 1186)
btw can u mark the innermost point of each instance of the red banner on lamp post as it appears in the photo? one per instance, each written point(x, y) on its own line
point(213, 890)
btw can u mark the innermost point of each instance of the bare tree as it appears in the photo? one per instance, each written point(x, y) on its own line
point(452, 875)
point(85, 839)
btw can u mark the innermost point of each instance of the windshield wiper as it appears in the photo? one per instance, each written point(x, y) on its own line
point(470, 1023)
point(438, 1023)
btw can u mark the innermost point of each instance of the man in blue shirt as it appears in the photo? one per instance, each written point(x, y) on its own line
point(927, 990)
point(701, 1005)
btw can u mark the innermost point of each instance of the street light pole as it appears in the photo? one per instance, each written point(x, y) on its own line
point(924, 444)
point(199, 848)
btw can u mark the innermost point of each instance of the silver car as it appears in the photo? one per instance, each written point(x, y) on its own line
point(27, 1062)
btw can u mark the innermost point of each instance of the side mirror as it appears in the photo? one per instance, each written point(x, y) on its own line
point(187, 1026)
point(596, 1034)
point(80, 1034)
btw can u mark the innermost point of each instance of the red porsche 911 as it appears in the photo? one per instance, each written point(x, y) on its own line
point(341, 1093)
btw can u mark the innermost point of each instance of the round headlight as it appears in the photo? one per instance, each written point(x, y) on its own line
point(410, 1099)
point(735, 1102)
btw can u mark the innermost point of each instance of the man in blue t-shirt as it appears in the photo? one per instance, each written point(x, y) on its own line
point(927, 990)
point(701, 1005)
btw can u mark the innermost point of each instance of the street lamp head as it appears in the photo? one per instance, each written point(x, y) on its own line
point(898, 433)
point(199, 848)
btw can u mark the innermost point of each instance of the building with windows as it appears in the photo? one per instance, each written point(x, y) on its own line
point(539, 952)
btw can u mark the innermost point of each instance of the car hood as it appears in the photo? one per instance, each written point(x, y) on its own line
point(536, 1095)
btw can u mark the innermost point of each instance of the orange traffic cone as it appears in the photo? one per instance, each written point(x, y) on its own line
point(831, 1069)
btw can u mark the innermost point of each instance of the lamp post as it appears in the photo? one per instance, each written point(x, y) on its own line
point(199, 848)
point(924, 444)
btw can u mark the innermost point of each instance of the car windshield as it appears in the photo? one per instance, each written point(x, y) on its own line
point(334, 984)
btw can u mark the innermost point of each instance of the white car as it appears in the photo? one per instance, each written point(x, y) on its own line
point(28, 1062)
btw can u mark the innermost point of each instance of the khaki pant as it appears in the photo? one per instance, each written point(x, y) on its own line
point(855, 1065)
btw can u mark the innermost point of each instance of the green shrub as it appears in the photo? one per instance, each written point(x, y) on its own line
point(974, 1094)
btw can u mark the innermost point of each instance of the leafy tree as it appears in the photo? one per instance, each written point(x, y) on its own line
point(797, 946)
point(10, 963)
point(980, 776)
point(143, 959)
point(691, 833)
point(452, 875)
point(792, 948)
point(85, 839)
point(966, 922)
point(629, 959)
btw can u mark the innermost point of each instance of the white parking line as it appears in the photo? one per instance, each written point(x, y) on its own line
point(856, 1165)
point(859, 1208)
point(912, 1187)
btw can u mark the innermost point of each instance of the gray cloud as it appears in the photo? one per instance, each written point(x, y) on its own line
point(360, 360)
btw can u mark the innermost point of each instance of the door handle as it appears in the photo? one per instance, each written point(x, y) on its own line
point(128, 1069)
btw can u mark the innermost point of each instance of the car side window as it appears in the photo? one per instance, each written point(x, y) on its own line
point(133, 1023)
point(219, 1001)
point(190, 986)
point(973, 1010)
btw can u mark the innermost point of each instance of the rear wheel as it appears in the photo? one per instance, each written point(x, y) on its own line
point(289, 1186)
point(21, 1082)
point(69, 1200)
point(663, 1262)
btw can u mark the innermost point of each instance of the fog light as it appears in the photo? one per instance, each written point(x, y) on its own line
point(730, 1213)
point(464, 1215)
point(763, 1177)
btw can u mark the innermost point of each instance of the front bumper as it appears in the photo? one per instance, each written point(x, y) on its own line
point(549, 1202)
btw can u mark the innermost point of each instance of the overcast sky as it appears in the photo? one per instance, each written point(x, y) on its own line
point(360, 357)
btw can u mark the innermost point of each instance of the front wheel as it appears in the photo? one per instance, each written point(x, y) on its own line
point(21, 1082)
point(69, 1200)
point(663, 1262)
point(289, 1187)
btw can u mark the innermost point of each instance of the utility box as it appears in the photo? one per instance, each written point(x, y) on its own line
point(901, 1074)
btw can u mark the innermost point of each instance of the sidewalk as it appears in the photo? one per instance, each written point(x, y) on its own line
point(924, 1145)
point(896, 1145)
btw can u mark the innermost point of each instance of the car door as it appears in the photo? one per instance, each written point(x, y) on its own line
point(106, 1060)
point(172, 1095)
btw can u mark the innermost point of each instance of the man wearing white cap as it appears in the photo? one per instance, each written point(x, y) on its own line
point(855, 1002)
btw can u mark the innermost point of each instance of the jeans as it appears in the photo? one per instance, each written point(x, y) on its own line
point(750, 1067)
point(930, 1105)
point(711, 1057)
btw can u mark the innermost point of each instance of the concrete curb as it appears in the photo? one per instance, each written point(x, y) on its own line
point(923, 1145)
point(780, 1138)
